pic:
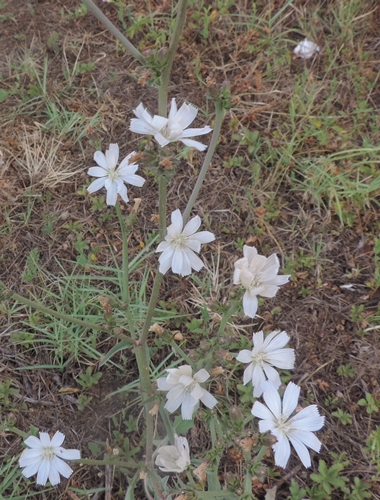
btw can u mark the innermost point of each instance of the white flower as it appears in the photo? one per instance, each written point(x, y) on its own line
point(264, 354)
point(306, 49)
point(169, 129)
point(180, 244)
point(297, 429)
point(111, 177)
point(258, 275)
point(184, 389)
point(45, 458)
point(174, 458)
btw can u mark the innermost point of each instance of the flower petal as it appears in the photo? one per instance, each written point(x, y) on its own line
point(244, 356)
point(57, 439)
point(30, 469)
point(281, 452)
point(275, 340)
point(249, 253)
point(209, 400)
point(184, 116)
point(97, 172)
point(193, 260)
point(290, 398)
point(112, 155)
point(273, 400)
point(261, 411)
point(33, 442)
point(111, 187)
point(100, 159)
point(308, 419)
point(68, 454)
point(188, 407)
point(203, 237)
point(43, 472)
point(194, 144)
point(122, 190)
point(282, 358)
point(96, 185)
point(258, 379)
point(192, 226)
point(193, 132)
point(248, 374)
point(62, 467)
point(250, 304)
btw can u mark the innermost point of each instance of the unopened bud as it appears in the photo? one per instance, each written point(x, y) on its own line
point(178, 336)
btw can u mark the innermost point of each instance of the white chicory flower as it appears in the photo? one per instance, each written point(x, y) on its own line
point(174, 458)
point(180, 244)
point(44, 457)
point(185, 391)
point(258, 275)
point(297, 429)
point(112, 177)
point(264, 355)
point(306, 49)
point(173, 128)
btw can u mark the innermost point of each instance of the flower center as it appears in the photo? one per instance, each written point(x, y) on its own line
point(256, 282)
point(283, 424)
point(48, 453)
point(179, 241)
point(171, 132)
point(259, 358)
point(113, 174)
point(189, 388)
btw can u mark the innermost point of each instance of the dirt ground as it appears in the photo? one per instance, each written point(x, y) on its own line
point(330, 308)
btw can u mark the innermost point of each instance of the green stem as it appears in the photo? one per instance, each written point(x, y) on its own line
point(125, 273)
point(142, 350)
point(107, 461)
point(230, 312)
point(165, 76)
point(40, 307)
point(168, 424)
point(181, 353)
point(219, 109)
point(112, 28)
point(232, 309)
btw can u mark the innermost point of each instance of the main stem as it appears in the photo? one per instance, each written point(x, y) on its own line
point(142, 350)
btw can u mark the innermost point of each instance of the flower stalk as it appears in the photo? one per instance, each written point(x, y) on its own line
point(219, 110)
point(165, 76)
point(112, 28)
point(125, 270)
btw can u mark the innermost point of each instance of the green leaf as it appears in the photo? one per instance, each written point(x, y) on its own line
point(121, 346)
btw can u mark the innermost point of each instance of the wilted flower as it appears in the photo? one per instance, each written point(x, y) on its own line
point(45, 458)
point(169, 129)
point(264, 354)
point(184, 389)
point(180, 244)
point(306, 49)
point(258, 275)
point(174, 458)
point(297, 429)
point(112, 177)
